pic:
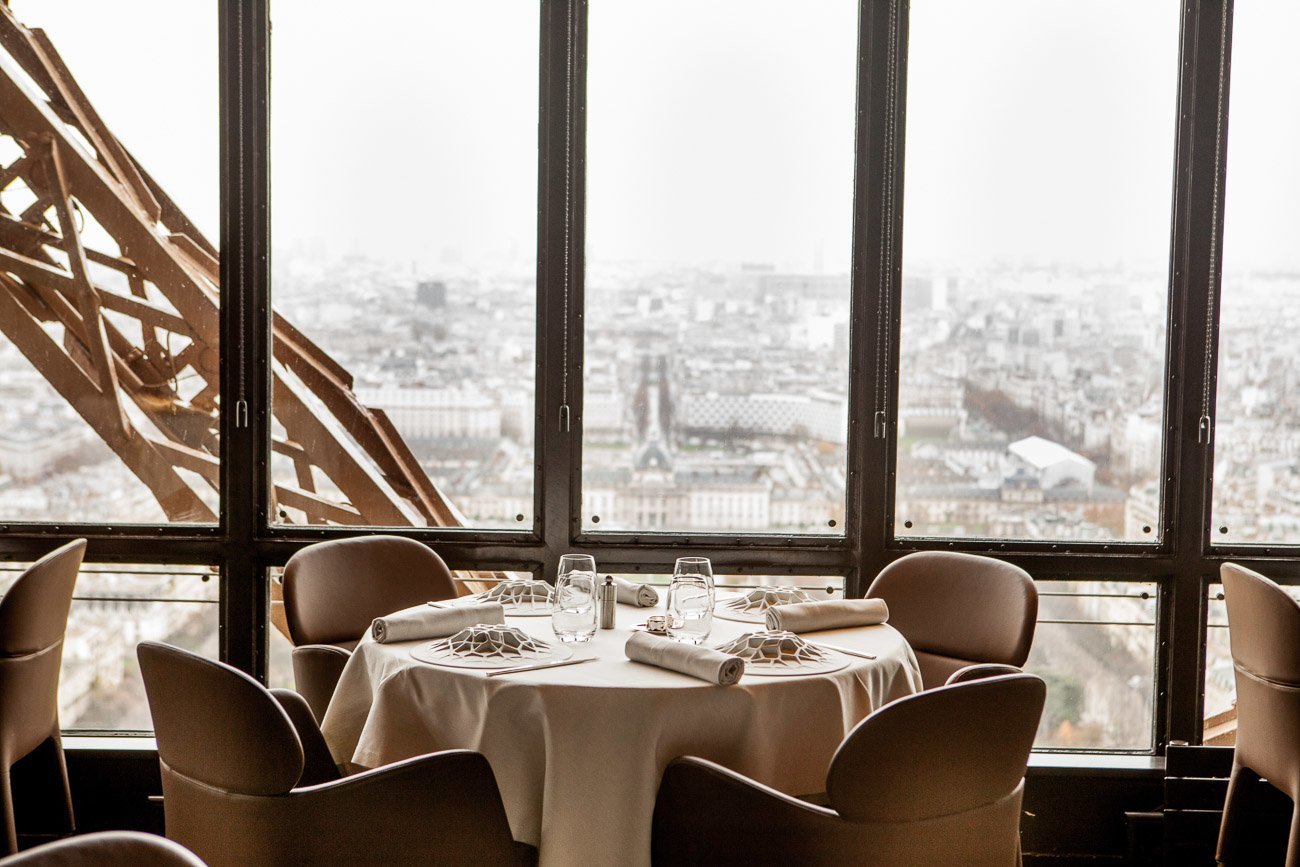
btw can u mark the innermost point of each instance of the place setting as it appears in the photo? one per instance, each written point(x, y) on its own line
point(472, 632)
point(473, 636)
point(676, 640)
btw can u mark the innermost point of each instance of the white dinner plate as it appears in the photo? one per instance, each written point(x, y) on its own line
point(437, 653)
point(825, 667)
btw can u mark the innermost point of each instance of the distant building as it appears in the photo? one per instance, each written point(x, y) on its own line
point(431, 294)
point(1052, 464)
point(817, 416)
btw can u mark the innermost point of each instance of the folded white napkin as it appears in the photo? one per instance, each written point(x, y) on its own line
point(428, 621)
point(831, 614)
point(702, 662)
point(632, 593)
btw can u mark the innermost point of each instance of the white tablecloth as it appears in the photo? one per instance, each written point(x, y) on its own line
point(578, 750)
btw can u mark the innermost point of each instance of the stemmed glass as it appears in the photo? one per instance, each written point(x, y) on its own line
point(573, 614)
point(690, 600)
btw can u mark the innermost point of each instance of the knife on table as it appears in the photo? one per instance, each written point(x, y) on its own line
point(552, 664)
point(845, 650)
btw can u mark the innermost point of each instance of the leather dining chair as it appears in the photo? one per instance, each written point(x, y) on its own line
point(247, 778)
point(958, 609)
point(1264, 633)
point(935, 778)
point(107, 849)
point(33, 620)
point(334, 590)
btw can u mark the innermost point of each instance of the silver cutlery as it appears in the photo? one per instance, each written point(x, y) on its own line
point(845, 650)
point(552, 664)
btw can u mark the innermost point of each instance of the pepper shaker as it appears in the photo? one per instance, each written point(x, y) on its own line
point(607, 596)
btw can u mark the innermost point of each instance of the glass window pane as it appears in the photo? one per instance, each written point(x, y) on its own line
point(1257, 425)
point(1096, 647)
point(404, 185)
point(718, 240)
point(108, 271)
point(1039, 166)
point(732, 584)
point(114, 608)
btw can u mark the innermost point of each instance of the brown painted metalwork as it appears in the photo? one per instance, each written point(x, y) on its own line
point(113, 294)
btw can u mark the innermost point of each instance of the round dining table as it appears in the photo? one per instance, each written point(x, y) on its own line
point(578, 750)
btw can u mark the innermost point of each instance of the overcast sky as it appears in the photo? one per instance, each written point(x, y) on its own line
point(1037, 129)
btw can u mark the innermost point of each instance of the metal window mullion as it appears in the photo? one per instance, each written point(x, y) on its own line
point(561, 146)
point(877, 222)
point(245, 328)
point(1197, 232)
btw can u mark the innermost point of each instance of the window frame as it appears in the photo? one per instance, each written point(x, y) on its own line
point(245, 542)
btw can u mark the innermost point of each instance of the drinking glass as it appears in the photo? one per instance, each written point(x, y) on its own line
point(690, 600)
point(573, 614)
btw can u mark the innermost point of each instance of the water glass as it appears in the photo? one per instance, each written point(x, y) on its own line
point(573, 614)
point(690, 600)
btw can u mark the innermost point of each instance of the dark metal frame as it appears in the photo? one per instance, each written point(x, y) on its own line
point(246, 544)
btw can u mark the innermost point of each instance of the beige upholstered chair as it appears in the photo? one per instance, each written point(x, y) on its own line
point(958, 609)
point(107, 849)
point(247, 779)
point(33, 620)
point(1265, 635)
point(933, 779)
point(332, 592)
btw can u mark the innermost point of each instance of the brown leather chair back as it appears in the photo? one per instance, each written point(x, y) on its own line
point(334, 590)
point(217, 725)
point(231, 756)
point(33, 620)
point(1266, 642)
point(107, 849)
point(935, 779)
point(34, 612)
point(944, 751)
point(957, 609)
point(1265, 639)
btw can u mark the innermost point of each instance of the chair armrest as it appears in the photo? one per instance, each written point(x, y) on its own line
point(745, 821)
point(434, 808)
point(443, 808)
point(316, 671)
point(979, 671)
point(317, 763)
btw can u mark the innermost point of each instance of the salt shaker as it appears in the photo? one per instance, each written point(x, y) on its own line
point(606, 597)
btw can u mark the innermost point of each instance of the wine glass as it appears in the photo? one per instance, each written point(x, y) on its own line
point(573, 614)
point(690, 600)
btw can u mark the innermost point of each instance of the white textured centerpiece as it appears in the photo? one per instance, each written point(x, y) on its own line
point(752, 607)
point(521, 597)
point(773, 652)
point(488, 645)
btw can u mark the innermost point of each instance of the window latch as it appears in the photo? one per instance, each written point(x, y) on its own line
point(1205, 430)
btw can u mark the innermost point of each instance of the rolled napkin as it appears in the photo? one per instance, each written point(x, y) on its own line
point(702, 662)
point(632, 593)
point(831, 614)
point(427, 621)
